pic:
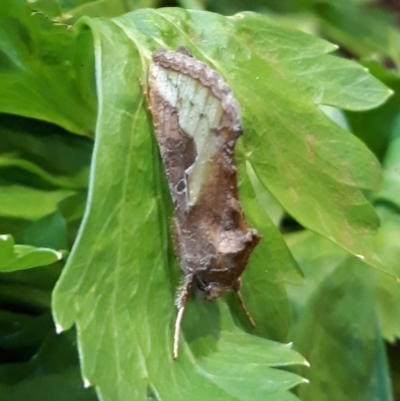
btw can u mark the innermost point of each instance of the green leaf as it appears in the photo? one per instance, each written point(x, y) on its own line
point(29, 290)
point(38, 74)
point(363, 31)
point(388, 290)
point(302, 60)
point(118, 285)
point(390, 190)
point(29, 203)
point(73, 9)
point(18, 257)
point(64, 182)
point(337, 326)
point(42, 155)
point(311, 166)
point(48, 232)
point(52, 373)
point(263, 282)
point(382, 119)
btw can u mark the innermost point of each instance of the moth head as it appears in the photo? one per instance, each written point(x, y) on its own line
point(213, 290)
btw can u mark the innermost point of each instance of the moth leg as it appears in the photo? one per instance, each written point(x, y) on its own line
point(182, 296)
point(236, 288)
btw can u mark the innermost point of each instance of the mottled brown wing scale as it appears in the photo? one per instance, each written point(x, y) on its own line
point(177, 149)
point(211, 237)
point(222, 241)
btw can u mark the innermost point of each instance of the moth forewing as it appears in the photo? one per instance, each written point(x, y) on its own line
point(196, 124)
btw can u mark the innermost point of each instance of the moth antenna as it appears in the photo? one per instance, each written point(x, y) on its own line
point(236, 288)
point(182, 296)
point(177, 331)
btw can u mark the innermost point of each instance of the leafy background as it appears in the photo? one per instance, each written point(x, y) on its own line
point(319, 179)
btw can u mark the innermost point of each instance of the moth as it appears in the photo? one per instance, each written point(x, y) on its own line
point(196, 123)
